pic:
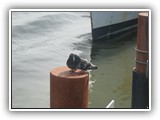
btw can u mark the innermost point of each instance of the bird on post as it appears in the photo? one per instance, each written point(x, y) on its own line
point(75, 62)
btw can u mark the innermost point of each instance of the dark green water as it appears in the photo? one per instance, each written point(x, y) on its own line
point(113, 79)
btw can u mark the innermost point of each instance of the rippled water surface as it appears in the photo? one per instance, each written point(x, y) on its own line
point(42, 41)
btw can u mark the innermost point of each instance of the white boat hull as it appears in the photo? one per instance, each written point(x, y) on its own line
point(107, 23)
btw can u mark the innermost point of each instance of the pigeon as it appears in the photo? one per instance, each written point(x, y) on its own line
point(75, 62)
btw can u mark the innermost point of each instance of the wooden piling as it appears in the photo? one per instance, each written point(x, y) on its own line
point(140, 89)
point(68, 89)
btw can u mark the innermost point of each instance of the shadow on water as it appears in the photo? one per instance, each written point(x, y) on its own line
point(111, 43)
point(115, 60)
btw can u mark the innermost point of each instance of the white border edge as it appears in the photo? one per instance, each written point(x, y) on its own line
point(79, 10)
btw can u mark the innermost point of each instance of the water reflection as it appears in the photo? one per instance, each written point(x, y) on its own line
point(112, 80)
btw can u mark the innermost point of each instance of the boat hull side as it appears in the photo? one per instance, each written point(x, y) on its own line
point(107, 31)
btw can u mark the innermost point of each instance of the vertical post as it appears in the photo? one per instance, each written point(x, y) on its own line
point(68, 89)
point(142, 43)
point(140, 94)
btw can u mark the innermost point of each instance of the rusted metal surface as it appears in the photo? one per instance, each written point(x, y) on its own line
point(142, 43)
point(68, 89)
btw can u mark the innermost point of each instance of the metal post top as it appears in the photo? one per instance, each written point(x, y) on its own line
point(65, 72)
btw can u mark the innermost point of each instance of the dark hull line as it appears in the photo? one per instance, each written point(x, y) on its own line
point(114, 29)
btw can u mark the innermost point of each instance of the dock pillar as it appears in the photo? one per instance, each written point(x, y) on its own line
point(140, 89)
point(68, 89)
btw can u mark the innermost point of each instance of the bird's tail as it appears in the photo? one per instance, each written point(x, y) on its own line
point(93, 67)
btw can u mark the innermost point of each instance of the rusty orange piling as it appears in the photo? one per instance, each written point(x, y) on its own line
point(140, 84)
point(68, 89)
point(142, 43)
